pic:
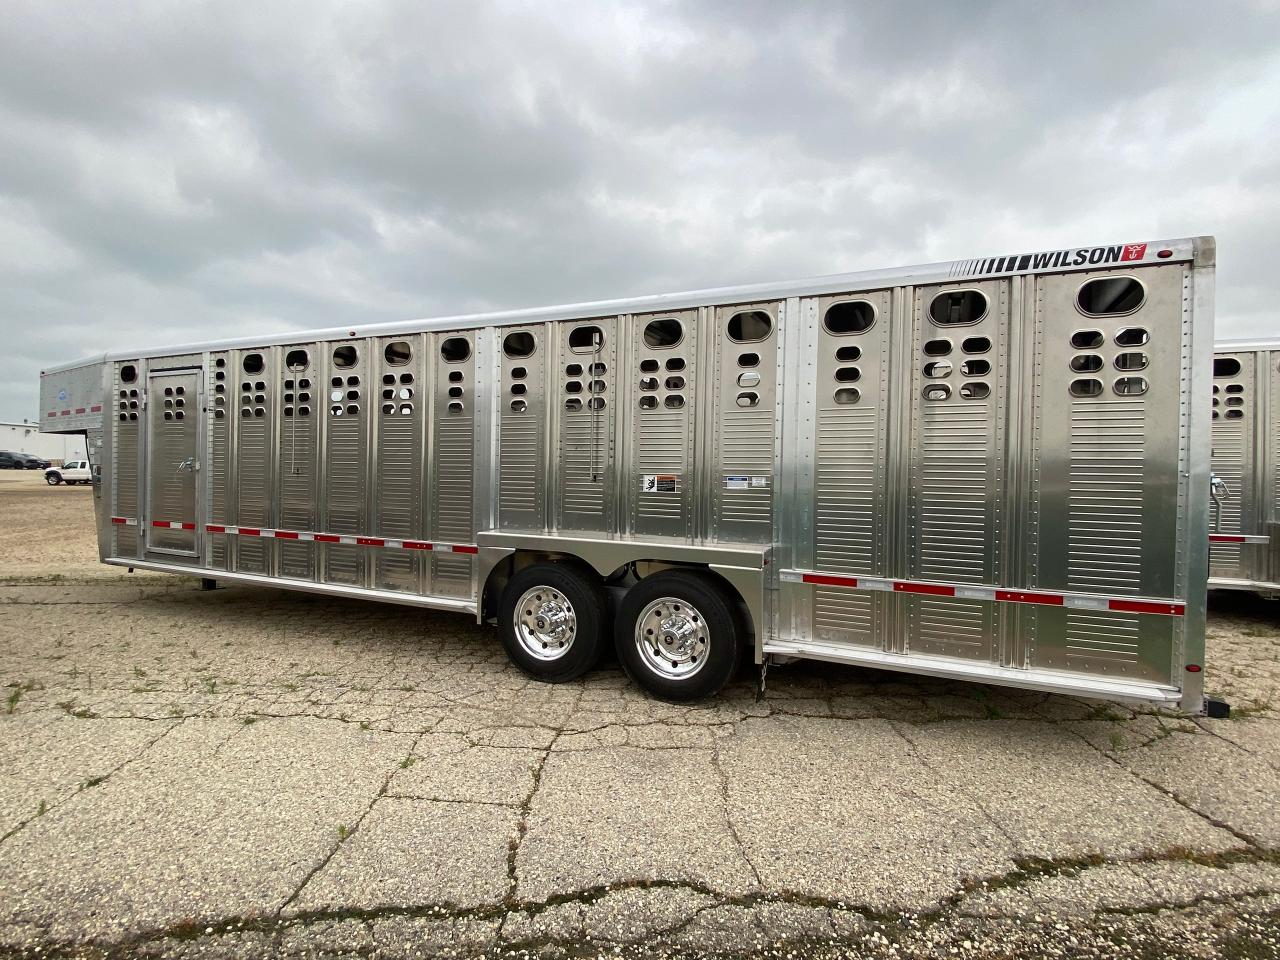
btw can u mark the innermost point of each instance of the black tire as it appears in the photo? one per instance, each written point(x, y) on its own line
point(585, 597)
point(701, 605)
point(53, 479)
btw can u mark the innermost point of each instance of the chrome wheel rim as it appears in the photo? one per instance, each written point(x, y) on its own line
point(545, 623)
point(672, 638)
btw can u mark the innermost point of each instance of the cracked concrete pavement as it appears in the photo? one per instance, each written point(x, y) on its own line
point(250, 772)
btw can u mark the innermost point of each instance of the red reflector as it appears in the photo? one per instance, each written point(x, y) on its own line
point(416, 545)
point(1146, 606)
point(326, 538)
point(1193, 668)
point(370, 541)
point(931, 589)
point(250, 532)
point(286, 535)
point(461, 549)
point(1165, 254)
point(214, 528)
point(827, 580)
point(1019, 596)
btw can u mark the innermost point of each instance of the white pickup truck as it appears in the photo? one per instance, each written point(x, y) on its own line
point(71, 472)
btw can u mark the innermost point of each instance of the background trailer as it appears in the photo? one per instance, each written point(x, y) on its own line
point(993, 469)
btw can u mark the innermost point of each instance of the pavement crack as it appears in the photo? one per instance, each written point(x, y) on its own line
point(728, 815)
point(522, 824)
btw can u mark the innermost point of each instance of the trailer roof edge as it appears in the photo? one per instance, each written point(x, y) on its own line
point(1199, 250)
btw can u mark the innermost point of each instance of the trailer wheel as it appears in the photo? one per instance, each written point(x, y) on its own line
point(678, 636)
point(53, 479)
point(552, 618)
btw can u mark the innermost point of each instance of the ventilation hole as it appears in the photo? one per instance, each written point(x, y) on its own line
point(1232, 388)
point(748, 399)
point(976, 345)
point(585, 339)
point(937, 369)
point(455, 392)
point(573, 386)
point(660, 334)
point(975, 368)
point(125, 416)
point(1215, 415)
point(345, 357)
point(353, 409)
point(220, 376)
point(388, 378)
point(598, 370)
point(179, 415)
point(596, 403)
point(304, 411)
point(675, 364)
point(958, 307)
point(168, 391)
point(288, 384)
point(1225, 366)
point(133, 393)
point(133, 417)
point(674, 401)
point(1235, 401)
point(1130, 386)
point(937, 391)
point(848, 317)
point(406, 393)
point(848, 354)
point(252, 363)
point(937, 348)
point(976, 390)
point(1215, 401)
point(648, 366)
point(288, 398)
point(455, 349)
point(388, 408)
point(1231, 415)
point(749, 326)
point(259, 412)
point(518, 389)
point(455, 376)
point(573, 370)
point(847, 395)
point(180, 391)
point(748, 359)
point(220, 362)
point(1086, 387)
point(518, 345)
point(1132, 337)
point(455, 406)
point(128, 373)
point(179, 402)
point(596, 386)
point(1087, 339)
point(1131, 361)
point(219, 388)
point(259, 398)
point(518, 373)
point(648, 383)
point(675, 383)
point(519, 406)
point(288, 411)
point(335, 382)
point(848, 375)
point(1110, 296)
point(353, 381)
point(389, 394)
point(749, 379)
point(648, 403)
point(406, 378)
point(217, 415)
point(336, 410)
point(1086, 363)
point(406, 409)
point(296, 360)
point(168, 415)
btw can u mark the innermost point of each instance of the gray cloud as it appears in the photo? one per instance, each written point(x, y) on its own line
point(179, 169)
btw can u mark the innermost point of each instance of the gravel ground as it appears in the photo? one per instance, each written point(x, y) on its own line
point(251, 772)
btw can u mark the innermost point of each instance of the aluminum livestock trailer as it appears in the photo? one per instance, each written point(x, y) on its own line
point(1245, 521)
point(993, 469)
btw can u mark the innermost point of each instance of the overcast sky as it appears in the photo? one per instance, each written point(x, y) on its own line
point(182, 171)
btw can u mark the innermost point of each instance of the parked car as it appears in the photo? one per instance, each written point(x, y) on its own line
point(70, 473)
point(11, 461)
point(33, 463)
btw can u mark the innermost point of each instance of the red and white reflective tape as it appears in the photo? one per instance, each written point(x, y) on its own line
point(96, 408)
point(1238, 538)
point(964, 591)
point(304, 535)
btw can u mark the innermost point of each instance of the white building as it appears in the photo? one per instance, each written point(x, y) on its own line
point(25, 437)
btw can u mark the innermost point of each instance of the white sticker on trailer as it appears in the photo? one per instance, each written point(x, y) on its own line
point(736, 483)
point(660, 483)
